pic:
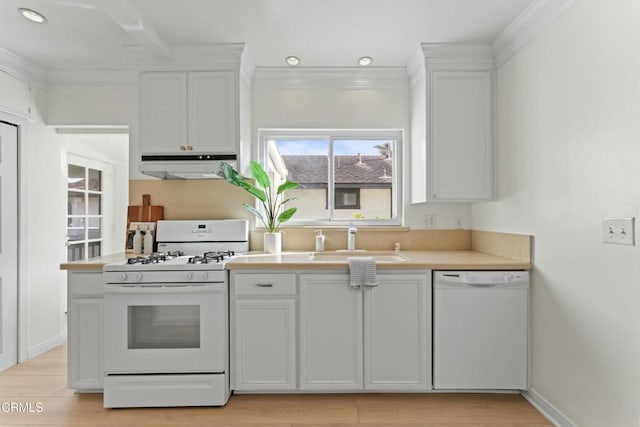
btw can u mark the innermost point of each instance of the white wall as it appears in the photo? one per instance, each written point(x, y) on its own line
point(43, 172)
point(569, 155)
point(318, 108)
point(44, 282)
point(97, 106)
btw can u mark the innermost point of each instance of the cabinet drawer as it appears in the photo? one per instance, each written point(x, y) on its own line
point(264, 284)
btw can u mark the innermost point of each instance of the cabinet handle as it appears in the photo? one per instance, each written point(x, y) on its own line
point(264, 285)
point(182, 148)
point(189, 148)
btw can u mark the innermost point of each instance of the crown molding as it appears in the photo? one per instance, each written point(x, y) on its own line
point(247, 67)
point(194, 57)
point(416, 66)
point(22, 68)
point(531, 22)
point(375, 78)
point(458, 56)
point(92, 78)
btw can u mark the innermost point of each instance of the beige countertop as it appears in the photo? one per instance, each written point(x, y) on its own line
point(94, 263)
point(442, 260)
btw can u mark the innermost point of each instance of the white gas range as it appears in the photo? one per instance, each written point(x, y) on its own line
point(166, 328)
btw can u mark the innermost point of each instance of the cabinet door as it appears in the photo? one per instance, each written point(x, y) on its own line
point(85, 343)
point(264, 344)
point(213, 111)
point(330, 333)
point(461, 135)
point(163, 112)
point(397, 333)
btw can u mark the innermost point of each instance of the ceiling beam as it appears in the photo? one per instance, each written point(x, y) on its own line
point(129, 19)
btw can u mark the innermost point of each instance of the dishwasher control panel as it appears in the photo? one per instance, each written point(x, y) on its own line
point(492, 277)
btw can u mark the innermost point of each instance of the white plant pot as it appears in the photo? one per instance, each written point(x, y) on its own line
point(273, 243)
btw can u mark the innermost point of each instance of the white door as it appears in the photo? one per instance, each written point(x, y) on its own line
point(397, 333)
point(330, 333)
point(212, 112)
point(8, 245)
point(164, 112)
point(265, 344)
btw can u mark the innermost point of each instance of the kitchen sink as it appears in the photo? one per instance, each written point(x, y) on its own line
point(342, 256)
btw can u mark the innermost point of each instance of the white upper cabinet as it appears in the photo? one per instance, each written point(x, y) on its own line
point(189, 112)
point(164, 111)
point(212, 111)
point(452, 123)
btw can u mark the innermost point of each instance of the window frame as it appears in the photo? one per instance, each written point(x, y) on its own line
point(331, 135)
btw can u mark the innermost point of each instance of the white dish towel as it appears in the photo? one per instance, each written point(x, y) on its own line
point(362, 271)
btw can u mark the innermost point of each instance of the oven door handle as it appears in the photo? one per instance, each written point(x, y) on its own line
point(164, 289)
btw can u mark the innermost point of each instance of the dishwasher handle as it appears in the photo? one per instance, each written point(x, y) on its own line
point(450, 285)
point(481, 278)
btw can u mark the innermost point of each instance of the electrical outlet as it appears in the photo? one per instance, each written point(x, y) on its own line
point(620, 231)
point(430, 220)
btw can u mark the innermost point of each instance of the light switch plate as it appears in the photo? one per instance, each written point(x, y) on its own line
point(620, 231)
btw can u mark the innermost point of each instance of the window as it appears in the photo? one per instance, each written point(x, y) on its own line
point(84, 212)
point(344, 176)
point(347, 198)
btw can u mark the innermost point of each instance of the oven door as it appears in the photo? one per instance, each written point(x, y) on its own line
point(165, 329)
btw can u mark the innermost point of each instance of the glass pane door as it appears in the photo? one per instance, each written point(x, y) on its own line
point(84, 212)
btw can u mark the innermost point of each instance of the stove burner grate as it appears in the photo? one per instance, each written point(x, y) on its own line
point(155, 258)
point(211, 257)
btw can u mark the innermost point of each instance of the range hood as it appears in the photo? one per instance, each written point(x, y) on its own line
point(186, 166)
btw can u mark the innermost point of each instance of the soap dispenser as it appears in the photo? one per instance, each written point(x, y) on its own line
point(319, 241)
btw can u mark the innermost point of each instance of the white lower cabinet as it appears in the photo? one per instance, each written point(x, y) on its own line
point(373, 339)
point(84, 328)
point(263, 338)
point(330, 333)
point(397, 338)
point(313, 332)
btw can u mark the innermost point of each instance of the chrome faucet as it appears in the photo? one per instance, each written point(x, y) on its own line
point(351, 238)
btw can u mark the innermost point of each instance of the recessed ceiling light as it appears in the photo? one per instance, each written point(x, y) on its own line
point(292, 60)
point(365, 60)
point(33, 16)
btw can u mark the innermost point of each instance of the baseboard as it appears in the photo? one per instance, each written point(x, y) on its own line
point(45, 346)
point(556, 417)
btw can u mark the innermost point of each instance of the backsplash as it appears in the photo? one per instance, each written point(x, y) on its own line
point(193, 199)
point(303, 239)
point(216, 199)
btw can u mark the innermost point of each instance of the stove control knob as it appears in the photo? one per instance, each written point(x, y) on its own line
point(123, 276)
point(204, 276)
point(188, 276)
point(138, 276)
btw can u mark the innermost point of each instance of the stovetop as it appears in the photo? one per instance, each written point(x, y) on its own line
point(174, 260)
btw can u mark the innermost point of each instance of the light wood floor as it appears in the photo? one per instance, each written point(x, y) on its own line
point(43, 380)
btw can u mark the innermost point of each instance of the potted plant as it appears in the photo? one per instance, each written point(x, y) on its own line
point(273, 213)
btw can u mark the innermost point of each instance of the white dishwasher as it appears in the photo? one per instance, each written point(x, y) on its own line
point(480, 330)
